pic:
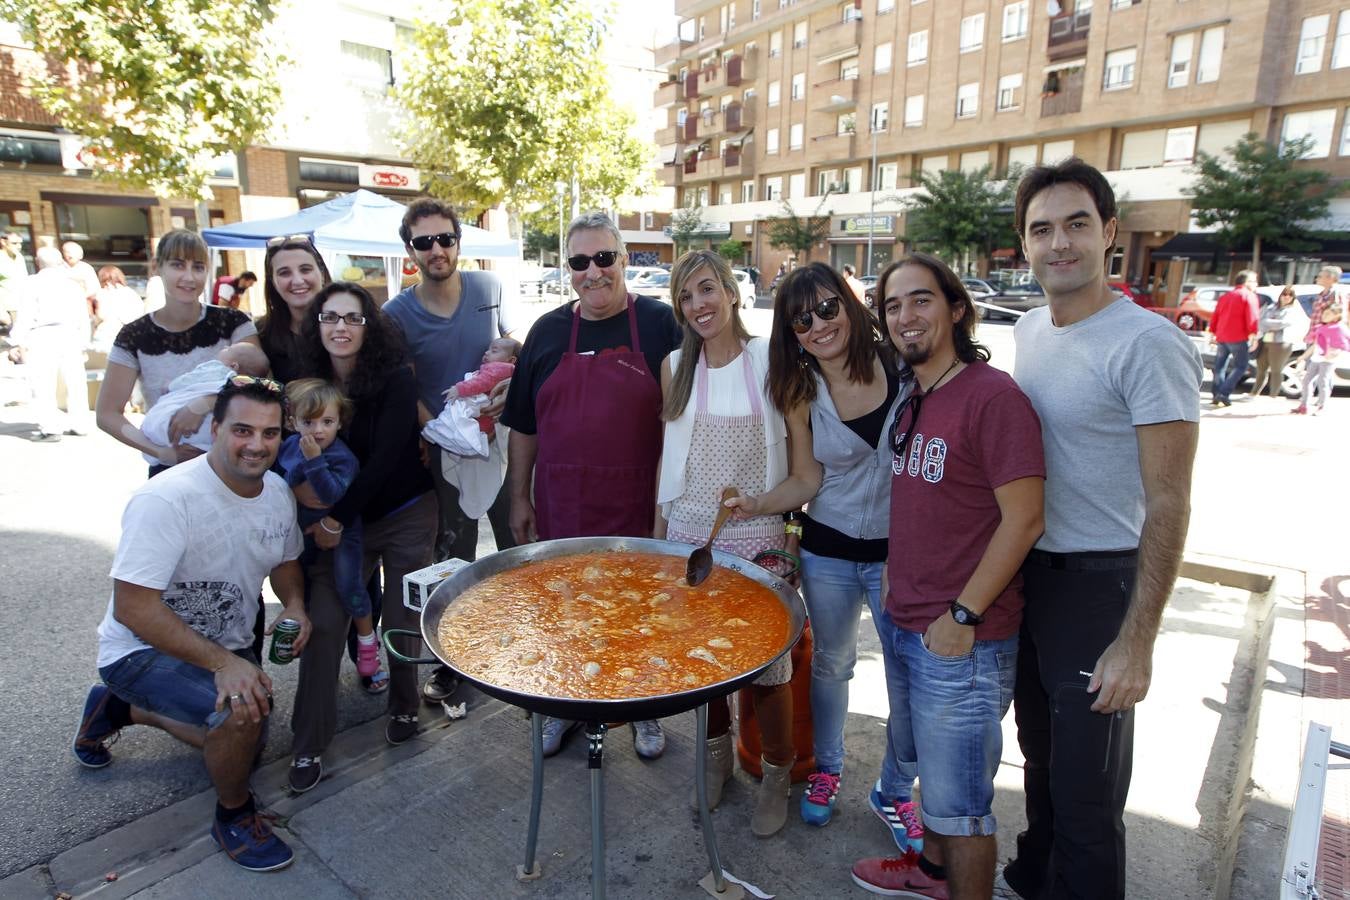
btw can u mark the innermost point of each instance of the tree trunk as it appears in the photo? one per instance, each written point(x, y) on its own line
point(1256, 253)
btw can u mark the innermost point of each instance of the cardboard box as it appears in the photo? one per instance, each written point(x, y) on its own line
point(417, 586)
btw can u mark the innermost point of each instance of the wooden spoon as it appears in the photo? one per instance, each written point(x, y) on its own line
point(700, 562)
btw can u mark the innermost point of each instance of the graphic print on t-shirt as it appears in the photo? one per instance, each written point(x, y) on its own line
point(210, 608)
point(926, 457)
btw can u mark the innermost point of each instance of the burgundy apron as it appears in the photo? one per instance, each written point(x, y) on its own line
point(599, 437)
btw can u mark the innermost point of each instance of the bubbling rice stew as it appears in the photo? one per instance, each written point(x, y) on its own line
point(611, 625)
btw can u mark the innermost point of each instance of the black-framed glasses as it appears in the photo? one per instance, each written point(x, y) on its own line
point(604, 259)
point(332, 318)
point(423, 242)
point(825, 310)
point(268, 384)
point(902, 429)
point(288, 238)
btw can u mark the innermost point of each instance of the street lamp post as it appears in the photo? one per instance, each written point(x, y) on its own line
point(560, 187)
point(872, 197)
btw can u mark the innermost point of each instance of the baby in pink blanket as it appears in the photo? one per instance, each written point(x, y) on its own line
point(499, 363)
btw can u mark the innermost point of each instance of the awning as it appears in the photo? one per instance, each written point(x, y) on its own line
point(1187, 246)
point(736, 139)
point(1208, 247)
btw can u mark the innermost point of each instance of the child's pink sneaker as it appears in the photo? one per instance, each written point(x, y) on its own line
point(367, 658)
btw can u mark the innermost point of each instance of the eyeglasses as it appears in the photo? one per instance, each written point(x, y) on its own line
point(825, 310)
point(288, 238)
point(268, 384)
point(332, 318)
point(902, 430)
point(423, 242)
point(604, 259)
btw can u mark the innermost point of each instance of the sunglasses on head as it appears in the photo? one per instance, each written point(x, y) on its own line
point(604, 259)
point(288, 238)
point(266, 383)
point(825, 310)
point(332, 318)
point(423, 242)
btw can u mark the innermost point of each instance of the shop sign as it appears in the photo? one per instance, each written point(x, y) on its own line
point(704, 230)
point(401, 178)
point(867, 225)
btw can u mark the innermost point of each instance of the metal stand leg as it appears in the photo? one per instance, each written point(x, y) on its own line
point(701, 786)
point(530, 870)
point(595, 735)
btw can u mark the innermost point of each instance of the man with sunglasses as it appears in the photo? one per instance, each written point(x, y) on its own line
point(966, 500)
point(175, 645)
point(1118, 393)
point(448, 319)
point(584, 411)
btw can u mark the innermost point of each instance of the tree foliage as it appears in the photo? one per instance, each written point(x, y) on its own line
point(960, 211)
point(507, 97)
point(158, 88)
point(733, 251)
point(686, 224)
point(799, 233)
point(1261, 194)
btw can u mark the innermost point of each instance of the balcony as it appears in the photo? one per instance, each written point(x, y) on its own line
point(690, 130)
point(666, 55)
point(671, 134)
point(691, 85)
point(1068, 35)
point(733, 163)
point(667, 94)
point(739, 117)
point(834, 147)
point(717, 78)
point(670, 174)
point(836, 96)
point(1062, 92)
point(836, 38)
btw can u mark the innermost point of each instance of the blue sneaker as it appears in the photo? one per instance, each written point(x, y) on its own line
point(822, 789)
point(901, 817)
point(249, 841)
point(95, 733)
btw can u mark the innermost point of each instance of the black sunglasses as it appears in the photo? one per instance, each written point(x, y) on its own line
point(826, 310)
point(423, 242)
point(902, 430)
point(604, 259)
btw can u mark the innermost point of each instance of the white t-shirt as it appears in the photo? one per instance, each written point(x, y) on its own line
point(187, 534)
point(1092, 383)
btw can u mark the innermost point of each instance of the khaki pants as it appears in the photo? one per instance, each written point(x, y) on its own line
point(1274, 357)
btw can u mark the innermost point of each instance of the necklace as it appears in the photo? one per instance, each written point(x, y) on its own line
point(935, 384)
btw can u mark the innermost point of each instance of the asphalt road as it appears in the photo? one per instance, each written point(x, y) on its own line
point(62, 505)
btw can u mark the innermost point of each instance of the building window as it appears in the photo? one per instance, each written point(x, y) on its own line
point(1010, 91)
point(849, 12)
point(775, 93)
point(1015, 20)
point(775, 44)
point(1124, 4)
point(1340, 51)
point(972, 32)
point(1311, 41)
point(724, 196)
point(918, 48)
point(754, 9)
point(797, 184)
point(881, 58)
point(848, 69)
point(771, 141)
point(731, 16)
point(799, 34)
point(885, 5)
point(799, 86)
point(748, 187)
point(1179, 146)
point(845, 124)
point(773, 188)
point(795, 136)
point(1056, 151)
point(1314, 123)
point(1345, 135)
point(1211, 56)
point(881, 116)
point(366, 64)
point(1119, 69)
point(887, 176)
point(1179, 70)
point(934, 165)
point(968, 100)
point(853, 180)
point(827, 180)
point(1022, 156)
point(914, 110)
point(747, 96)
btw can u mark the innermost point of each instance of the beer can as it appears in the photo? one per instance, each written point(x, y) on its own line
point(283, 641)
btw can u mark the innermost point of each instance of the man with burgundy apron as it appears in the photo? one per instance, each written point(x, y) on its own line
point(584, 411)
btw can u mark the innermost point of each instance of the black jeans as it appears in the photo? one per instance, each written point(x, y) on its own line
point(1078, 762)
point(456, 533)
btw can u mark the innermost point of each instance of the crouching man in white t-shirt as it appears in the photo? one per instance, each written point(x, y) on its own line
point(175, 644)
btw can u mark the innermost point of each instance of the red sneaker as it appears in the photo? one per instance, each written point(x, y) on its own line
point(897, 876)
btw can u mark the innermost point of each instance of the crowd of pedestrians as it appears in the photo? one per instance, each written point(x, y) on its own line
point(1006, 554)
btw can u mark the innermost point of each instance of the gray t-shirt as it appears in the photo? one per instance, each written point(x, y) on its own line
point(442, 349)
point(1092, 383)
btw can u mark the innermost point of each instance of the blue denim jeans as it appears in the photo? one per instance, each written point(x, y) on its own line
point(946, 713)
point(167, 685)
point(835, 591)
point(1230, 367)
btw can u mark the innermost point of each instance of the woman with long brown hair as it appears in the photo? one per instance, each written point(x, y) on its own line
point(293, 274)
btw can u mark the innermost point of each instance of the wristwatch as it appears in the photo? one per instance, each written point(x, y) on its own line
point(965, 616)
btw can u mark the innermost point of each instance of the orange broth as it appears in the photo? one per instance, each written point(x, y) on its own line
point(611, 625)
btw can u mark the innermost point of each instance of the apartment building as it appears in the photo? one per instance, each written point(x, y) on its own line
point(836, 106)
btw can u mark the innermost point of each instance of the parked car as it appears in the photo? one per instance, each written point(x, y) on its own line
point(1291, 379)
point(654, 284)
point(980, 288)
point(1197, 307)
point(1012, 301)
point(746, 286)
point(869, 283)
point(549, 283)
point(633, 274)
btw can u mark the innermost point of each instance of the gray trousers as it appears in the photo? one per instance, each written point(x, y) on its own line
point(1274, 356)
point(1317, 380)
point(401, 543)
